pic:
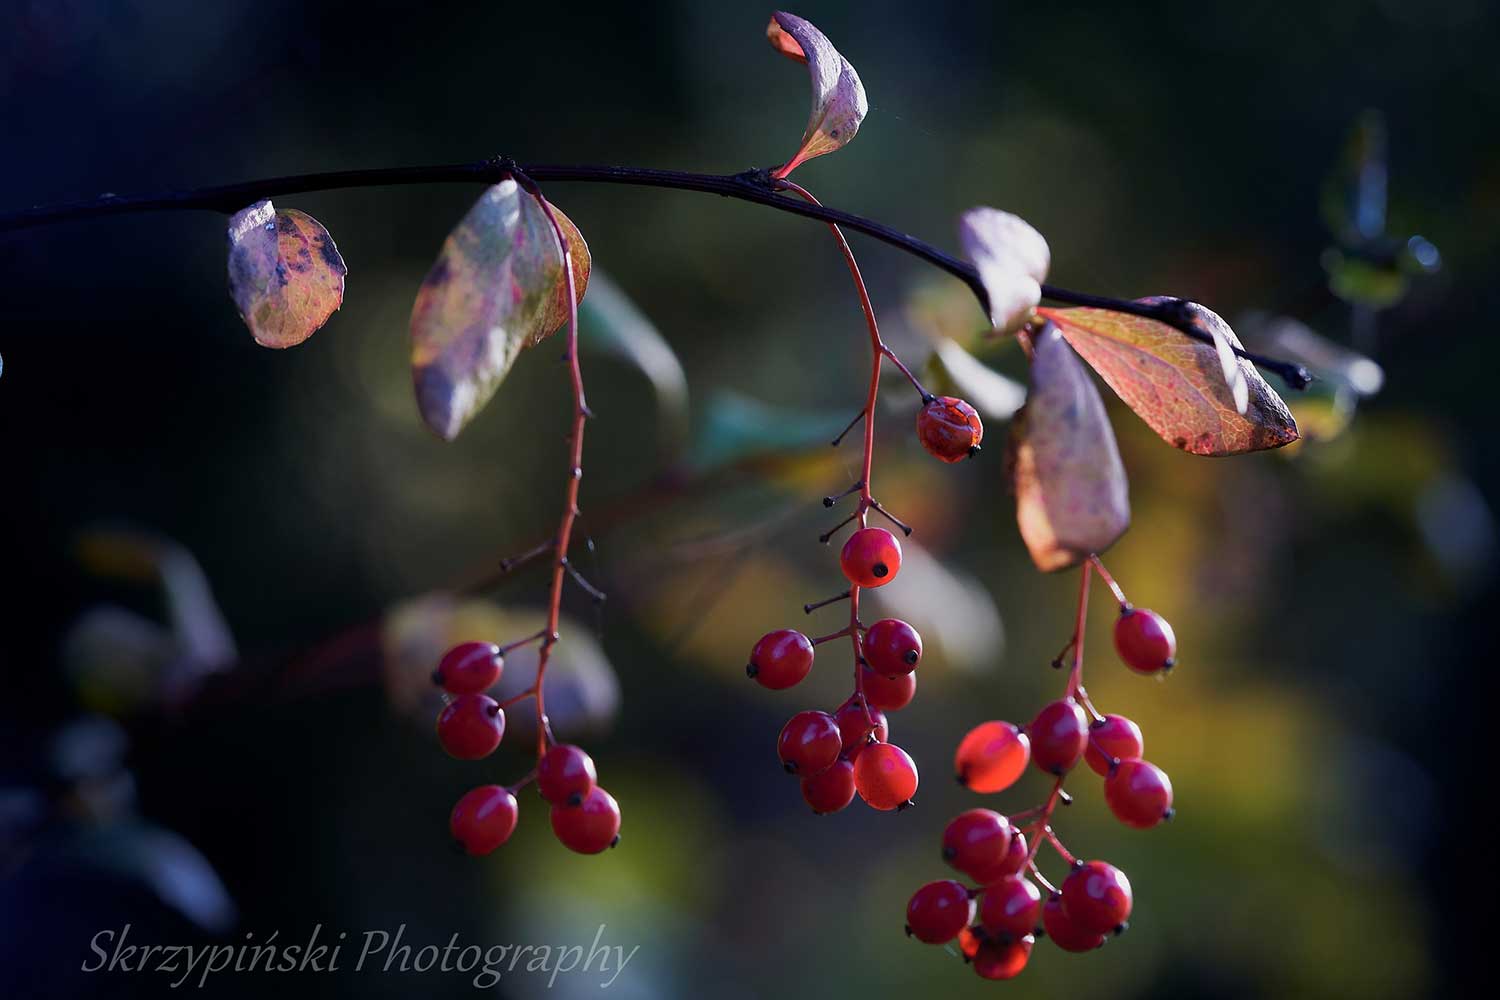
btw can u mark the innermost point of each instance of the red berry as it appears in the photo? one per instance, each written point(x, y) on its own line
point(1139, 794)
point(469, 668)
point(885, 776)
point(780, 659)
point(1097, 897)
point(1145, 641)
point(991, 756)
point(854, 730)
point(1015, 856)
point(871, 557)
point(949, 429)
point(809, 743)
point(892, 647)
point(1059, 735)
point(977, 843)
point(1011, 907)
point(470, 726)
point(591, 826)
point(565, 774)
point(1003, 959)
point(831, 790)
point(1113, 736)
point(1062, 929)
point(889, 693)
point(938, 911)
point(969, 943)
point(483, 819)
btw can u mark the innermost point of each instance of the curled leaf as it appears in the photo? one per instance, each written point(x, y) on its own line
point(285, 274)
point(1072, 498)
point(838, 98)
point(1175, 383)
point(1012, 259)
point(956, 372)
point(496, 289)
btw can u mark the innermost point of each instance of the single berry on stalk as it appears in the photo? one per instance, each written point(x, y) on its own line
point(1064, 931)
point(949, 429)
point(977, 843)
point(781, 659)
point(871, 557)
point(1003, 958)
point(589, 827)
point(1145, 641)
point(892, 647)
point(1097, 897)
point(855, 729)
point(565, 774)
point(991, 756)
point(1011, 907)
point(483, 819)
point(830, 790)
point(809, 743)
point(884, 776)
point(1111, 738)
point(470, 726)
point(888, 693)
point(1139, 793)
point(469, 668)
point(1059, 734)
point(938, 911)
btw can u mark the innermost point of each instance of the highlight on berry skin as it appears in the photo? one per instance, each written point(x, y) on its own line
point(469, 668)
point(780, 659)
point(950, 429)
point(871, 557)
point(992, 756)
point(1145, 641)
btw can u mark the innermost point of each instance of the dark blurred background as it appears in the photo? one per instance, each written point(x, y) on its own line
point(225, 567)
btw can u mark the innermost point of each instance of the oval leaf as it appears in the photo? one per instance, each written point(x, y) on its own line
point(496, 289)
point(1176, 384)
point(285, 274)
point(838, 98)
point(1012, 259)
point(1072, 498)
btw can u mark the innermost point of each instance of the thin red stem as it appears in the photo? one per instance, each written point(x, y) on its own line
point(1109, 581)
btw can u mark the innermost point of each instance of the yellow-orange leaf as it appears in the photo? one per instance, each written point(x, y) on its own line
point(496, 289)
point(285, 274)
point(1178, 385)
point(1072, 498)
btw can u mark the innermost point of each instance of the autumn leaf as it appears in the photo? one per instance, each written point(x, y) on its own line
point(1012, 259)
point(285, 274)
point(838, 98)
point(1072, 498)
point(496, 289)
point(1175, 383)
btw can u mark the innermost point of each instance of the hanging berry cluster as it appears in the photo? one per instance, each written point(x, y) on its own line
point(996, 920)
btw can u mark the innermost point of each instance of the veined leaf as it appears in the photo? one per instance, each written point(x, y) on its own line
point(285, 274)
point(1012, 259)
point(496, 289)
point(1072, 498)
point(1176, 384)
point(838, 98)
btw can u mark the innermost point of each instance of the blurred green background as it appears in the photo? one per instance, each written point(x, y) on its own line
point(1333, 603)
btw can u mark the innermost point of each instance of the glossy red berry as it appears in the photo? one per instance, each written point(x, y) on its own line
point(938, 911)
point(1012, 907)
point(949, 429)
point(483, 819)
point(590, 826)
point(1112, 738)
point(871, 557)
point(830, 790)
point(1064, 932)
point(470, 726)
point(780, 659)
point(991, 756)
point(1097, 897)
point(1145, 641)
point(855, 729)
point(889, 693)
point(884, 776)
point(469, 668)
point(977, 843)
point(892, 647)
point(565, 774)
point(1003, 958)
point(1139, 794)
point(809, 743)
point(969, 942)
point(1059, 734)
point(1015, 856)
